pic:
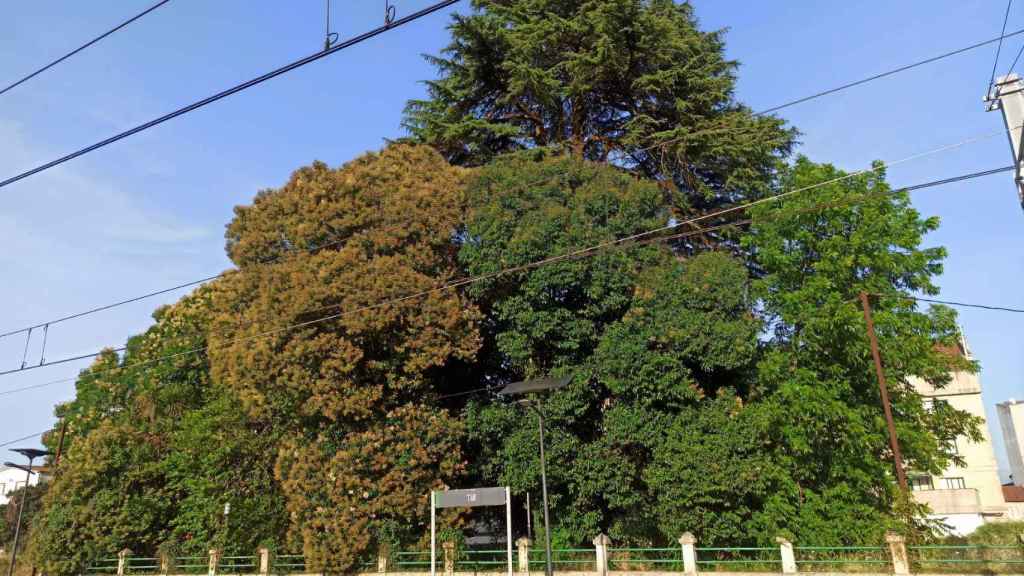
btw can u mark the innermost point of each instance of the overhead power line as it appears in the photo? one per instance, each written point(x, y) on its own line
point(852, 84)
point(84, 46)
point(952, 303)
point(889, 73)
point(999, 47)
point(635, 239)
point(235, 89)
point(320, 247)
point(22, 439)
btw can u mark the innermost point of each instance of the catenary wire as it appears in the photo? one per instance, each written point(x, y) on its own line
point(234, 89)
point(22, 439)
point(319, 247)
point(855, 83)
point(84, 46)
point(999, 47)
point(669, 226)
point(403, 20)
point(285, 252)
point(952, 303)
point(579, 253)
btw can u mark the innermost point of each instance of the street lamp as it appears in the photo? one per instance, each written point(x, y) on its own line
point(31, 454)
point(528, 387)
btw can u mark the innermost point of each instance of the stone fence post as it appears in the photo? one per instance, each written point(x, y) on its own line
point(214, 561)
point(689, 544)
point(383, 553)
point(898, 553)
point(264, 555)
point(122, 561)
point(166, 559)
point(449, 557)
point(523, 545)
point(601, 543)
point(787, 556)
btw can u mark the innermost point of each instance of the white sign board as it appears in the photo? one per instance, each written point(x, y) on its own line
point(470, 498)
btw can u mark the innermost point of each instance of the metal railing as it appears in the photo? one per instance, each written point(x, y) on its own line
point(842, 558)
point(739, 559)
point(646, 559)
point(973, 558)
point(931, 559)
point(563, 559)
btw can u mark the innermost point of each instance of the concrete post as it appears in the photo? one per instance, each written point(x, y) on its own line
point(689, 544)
point(165, 562)
point(122, 561)
point(523, 544)
point(214, 561)
point(787, 556)
point(449, 558)
point(264, 554)
point(1008, 95)
point(601, 543)
point(383, 553)
point(898, 553)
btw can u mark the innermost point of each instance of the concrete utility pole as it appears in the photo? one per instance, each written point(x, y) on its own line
point(1007, 94)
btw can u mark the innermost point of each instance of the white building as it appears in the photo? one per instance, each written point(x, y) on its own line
point(964, 497)
point(1011, 420)
point(11, 479)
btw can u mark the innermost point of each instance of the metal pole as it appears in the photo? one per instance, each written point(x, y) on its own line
point(508, 526)
point(433, 537)
point(21, 512)
point(894, 442)
point(529, 518)
point(544, 492)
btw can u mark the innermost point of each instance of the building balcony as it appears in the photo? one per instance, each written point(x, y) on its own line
point(950, 501)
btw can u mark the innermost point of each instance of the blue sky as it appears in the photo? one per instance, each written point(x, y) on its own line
point(149, 212)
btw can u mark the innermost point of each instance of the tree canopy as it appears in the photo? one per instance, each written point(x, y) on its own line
point(360, 331)
point(632, 82)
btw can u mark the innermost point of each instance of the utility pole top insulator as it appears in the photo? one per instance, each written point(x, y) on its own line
point(1007, 94)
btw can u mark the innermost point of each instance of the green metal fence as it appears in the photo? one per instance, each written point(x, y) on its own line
point(646, 559)
point(563, 559)
point(966, 558)
point(842, 558)
point(741, 559)
point(103, 566)
point(287, 563)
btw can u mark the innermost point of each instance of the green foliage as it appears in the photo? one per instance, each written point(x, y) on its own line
point(632, 82)
point(816, 372)
point(151, 454)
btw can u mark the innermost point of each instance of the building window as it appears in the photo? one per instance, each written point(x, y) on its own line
point(954, 483)
point(918, 483)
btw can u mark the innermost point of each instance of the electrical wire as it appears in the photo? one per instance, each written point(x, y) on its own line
point(579, 253)
point(234, 89)
point(888, 73)
point(999, 47)
point(84, 46)
point(23, 438)
point(853, 84)
point(320, 247)
point(952, 303)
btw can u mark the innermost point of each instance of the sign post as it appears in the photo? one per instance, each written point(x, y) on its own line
point(470, 498)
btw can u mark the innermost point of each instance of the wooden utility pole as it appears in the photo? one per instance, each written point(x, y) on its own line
point(894, 442)
point(60, 445)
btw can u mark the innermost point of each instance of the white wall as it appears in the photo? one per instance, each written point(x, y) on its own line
point(11, 479)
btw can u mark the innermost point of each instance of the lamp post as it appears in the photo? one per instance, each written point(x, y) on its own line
point(31, 454)
point(527, 387)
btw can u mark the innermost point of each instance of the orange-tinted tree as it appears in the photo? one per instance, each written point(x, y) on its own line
point(303, 337)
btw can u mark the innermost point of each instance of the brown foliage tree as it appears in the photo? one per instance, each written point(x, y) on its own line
point(351, 382)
